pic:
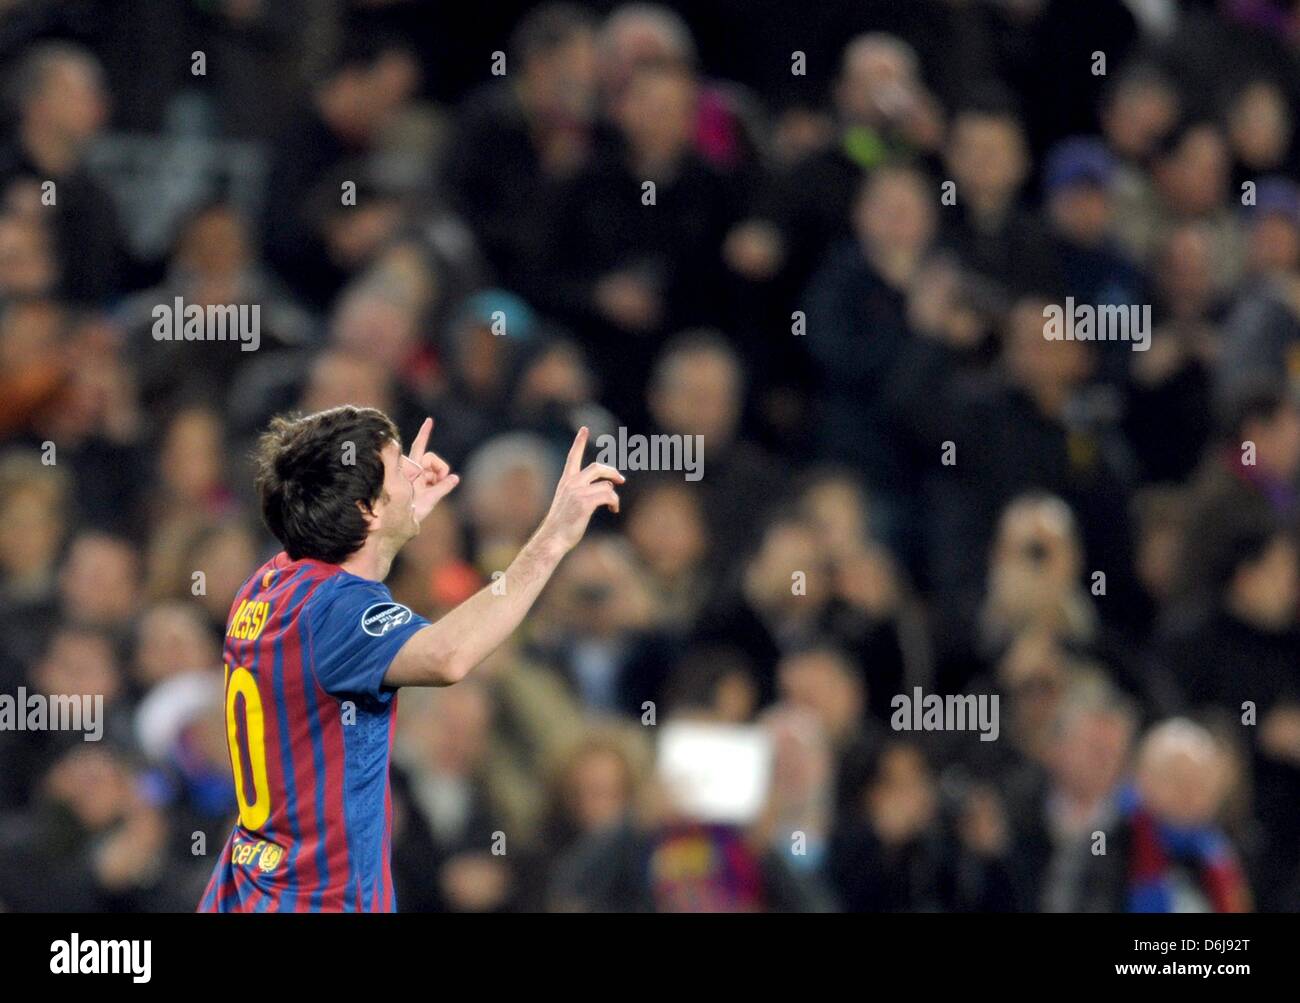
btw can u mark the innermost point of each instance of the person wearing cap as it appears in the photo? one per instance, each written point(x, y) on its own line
point(484, 340)
point(1273, 239)
point(1262, 332)
point(1077, 189)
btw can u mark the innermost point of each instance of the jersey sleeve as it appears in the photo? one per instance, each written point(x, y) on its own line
point(357, 629)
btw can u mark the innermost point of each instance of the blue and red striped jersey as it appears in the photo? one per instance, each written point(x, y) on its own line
point(309, 723)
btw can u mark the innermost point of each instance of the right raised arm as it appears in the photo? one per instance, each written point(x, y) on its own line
point(444, 652)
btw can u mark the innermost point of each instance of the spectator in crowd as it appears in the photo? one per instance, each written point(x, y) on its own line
point(697, 392)
point(448, 820)
point(856, 305)
point(902, 854)
point(598, 629)
point(1260, 130)
point(180, 727)
point(667, 528)
point(1169, 407)
point(172, 639)
point(1172, 857)
point(781, 601)
point(355, 100)
point(1060, 812)
point(33, 521)
point(1077, 182)
point(61, 102)
point(507, 482)
point(1188, 181)
point(1141, 108)
point(1247, 476)
point(83, 663)
point(595, 789)
point(987, 156)
point(824, 682)
point(485, 341)
point(91, 841)
point(1251, 624)
point(637, 34)
point(1263, 328)
point(520, 137)
point(213, 265)
point(884, 114)
point(623, 276)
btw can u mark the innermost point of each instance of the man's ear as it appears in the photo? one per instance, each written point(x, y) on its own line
point(367, 513)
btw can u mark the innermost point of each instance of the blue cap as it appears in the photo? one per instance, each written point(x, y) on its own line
point(479, 308)
point(1079, 160)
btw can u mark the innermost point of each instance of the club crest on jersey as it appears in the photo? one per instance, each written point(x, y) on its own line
point(382, 617)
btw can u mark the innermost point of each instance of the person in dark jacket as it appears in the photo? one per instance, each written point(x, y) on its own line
point(857, 324)
point(1238, 660)
point(62, 106)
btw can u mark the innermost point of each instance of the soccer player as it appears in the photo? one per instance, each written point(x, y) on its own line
point(316, 649)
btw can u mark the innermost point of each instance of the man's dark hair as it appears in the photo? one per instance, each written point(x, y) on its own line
point(547, 28)
point(1244, 540)
point(361, 51)
point(1134, 76)
point(310, 481)
point(1258, 398)
point(693, 682)
point(1171, 143)
point(990, 99)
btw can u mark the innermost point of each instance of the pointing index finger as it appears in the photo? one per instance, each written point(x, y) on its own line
point(574, 461)
point(421, 440)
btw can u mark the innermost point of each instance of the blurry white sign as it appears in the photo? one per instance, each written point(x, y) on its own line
point(716, 772)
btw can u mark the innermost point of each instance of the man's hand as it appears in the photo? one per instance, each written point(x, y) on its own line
point(444, 652)
point(434, 480)
point(580, 492)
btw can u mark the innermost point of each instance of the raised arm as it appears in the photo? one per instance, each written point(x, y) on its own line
point(444, 652)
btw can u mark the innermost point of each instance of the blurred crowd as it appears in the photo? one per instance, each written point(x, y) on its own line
point(859, 213)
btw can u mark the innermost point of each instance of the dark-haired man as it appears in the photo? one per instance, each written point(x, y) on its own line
point(523, 135)
point(987, 156)
point(1248, 475)
point(60, 104)
point(316, 648)
point(330, 141)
